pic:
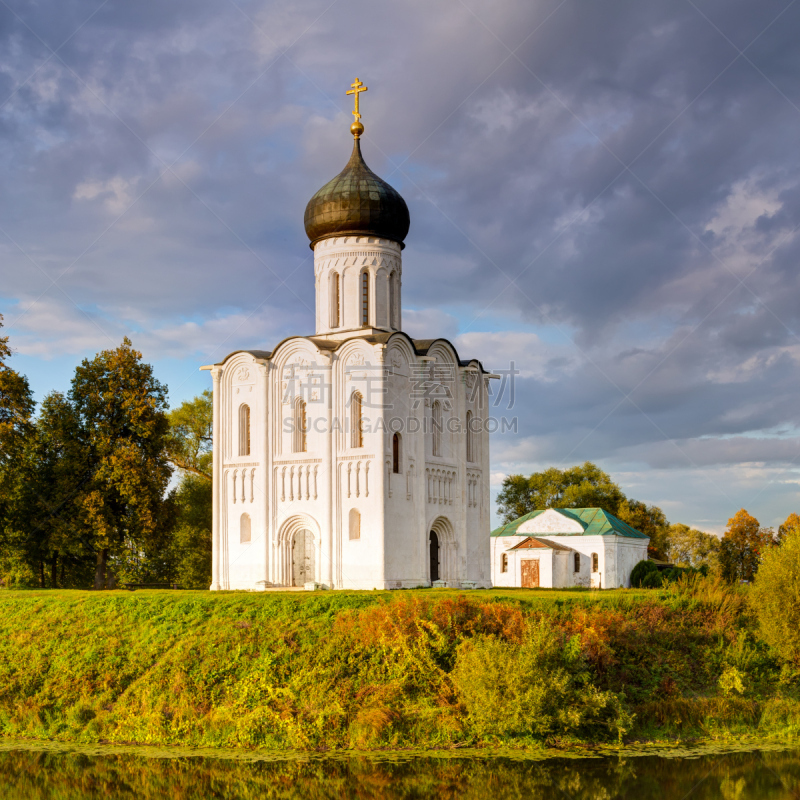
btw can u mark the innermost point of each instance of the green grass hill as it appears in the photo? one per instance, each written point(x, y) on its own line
point(374, 670)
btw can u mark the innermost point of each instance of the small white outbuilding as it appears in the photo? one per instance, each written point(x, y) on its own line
point(559, 548)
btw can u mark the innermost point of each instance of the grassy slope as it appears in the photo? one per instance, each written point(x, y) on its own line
point(373, 669)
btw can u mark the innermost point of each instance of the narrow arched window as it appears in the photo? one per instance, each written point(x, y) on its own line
point(470, 439)
point(577, 562)
point(595, 563)
point(336, 310)
point(504, 563)
point(244, 528)
point(244, 430)
point(393, 301)
point(365, 298)
point(356, 426)
point(355, 524)
point(436, 427)
point(396, 453)
point(300, 426)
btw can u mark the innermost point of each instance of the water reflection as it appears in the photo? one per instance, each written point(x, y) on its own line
point(27, 775)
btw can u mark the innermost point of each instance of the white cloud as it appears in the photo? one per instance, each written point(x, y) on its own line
point(116, 193)
point(528, 353)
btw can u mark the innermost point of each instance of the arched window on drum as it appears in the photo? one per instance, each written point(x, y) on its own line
point(336, 300)
point(365, 298)
point(394, 301)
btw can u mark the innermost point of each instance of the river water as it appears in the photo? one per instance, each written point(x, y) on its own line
point(62, 774)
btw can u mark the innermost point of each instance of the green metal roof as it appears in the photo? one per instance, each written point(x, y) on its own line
point(594, 521)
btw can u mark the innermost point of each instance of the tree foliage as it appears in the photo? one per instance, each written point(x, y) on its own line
point(16, 410)
point(192, 538)
point(651, 521)
point(583, 486)
point(16, 405)
point(121, 409)
point(48, 526)
point(792, 523)
point(776, 596)
point(742, 547)
point(689, 547)
point(189, 442)
point(87, 498)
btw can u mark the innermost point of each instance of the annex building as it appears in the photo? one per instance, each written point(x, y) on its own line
point(564, 547)
point(355, 457)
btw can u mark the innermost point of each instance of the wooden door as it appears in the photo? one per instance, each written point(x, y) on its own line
point(530, 573)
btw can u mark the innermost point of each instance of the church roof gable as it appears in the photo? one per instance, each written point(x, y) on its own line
point(532, 543)
point(421, 346)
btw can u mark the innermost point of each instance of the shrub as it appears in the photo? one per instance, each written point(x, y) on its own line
point(652, 580)
point(540, 688)
point(641, 571)
point(775, 597)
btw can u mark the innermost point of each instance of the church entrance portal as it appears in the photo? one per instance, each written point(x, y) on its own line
point(434, 557)
point(529, 573)
point(302, 557)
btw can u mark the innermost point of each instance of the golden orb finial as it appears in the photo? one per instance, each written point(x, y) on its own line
point(357, 128)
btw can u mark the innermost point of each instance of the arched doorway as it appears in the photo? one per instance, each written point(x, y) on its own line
point(434, 544)
point(302, 557)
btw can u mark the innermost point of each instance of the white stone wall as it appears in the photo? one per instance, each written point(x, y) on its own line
point(616, 555)
point(286, 492)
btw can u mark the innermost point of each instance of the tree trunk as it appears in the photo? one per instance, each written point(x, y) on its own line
point(54, 572)
point(41, 574)
point(100, 572)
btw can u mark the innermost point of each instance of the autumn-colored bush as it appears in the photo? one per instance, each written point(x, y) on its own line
point(540, 688)
point(775, 597)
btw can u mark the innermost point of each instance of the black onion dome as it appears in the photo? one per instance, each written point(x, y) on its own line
point(357, 202)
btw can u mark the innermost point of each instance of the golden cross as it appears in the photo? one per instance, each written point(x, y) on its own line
point(358, 87)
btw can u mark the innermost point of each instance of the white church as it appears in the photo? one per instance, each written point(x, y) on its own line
point(357, 457)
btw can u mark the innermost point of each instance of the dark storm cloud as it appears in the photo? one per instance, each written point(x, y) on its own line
point(616, 176)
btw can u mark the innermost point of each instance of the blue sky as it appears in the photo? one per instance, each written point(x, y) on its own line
point(606, 194)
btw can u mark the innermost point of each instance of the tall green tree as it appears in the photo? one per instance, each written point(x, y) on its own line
point(190, 450)
point(121, 408)
point(190, 443)
point(583, 486)
point(16, 410)
point(742, 547)
point(16, 405)
point(192, 539)
point(651, 521)
point(50, 529)
point(689, 547)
